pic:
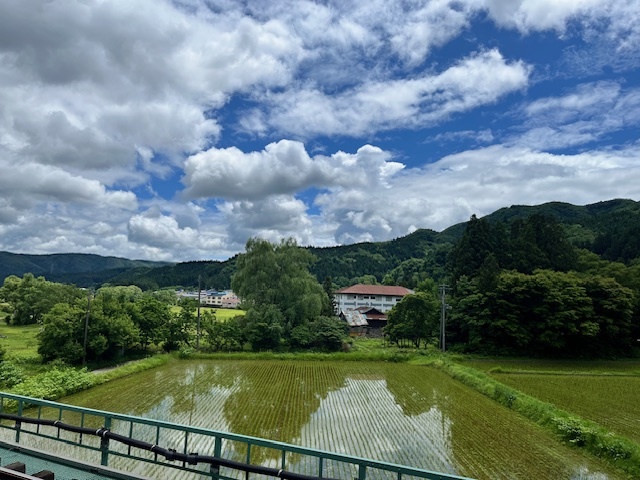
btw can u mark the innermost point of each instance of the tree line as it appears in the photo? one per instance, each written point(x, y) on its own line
point(285, 309)
point(79, 325)
point(522, 288)
point(518, 286)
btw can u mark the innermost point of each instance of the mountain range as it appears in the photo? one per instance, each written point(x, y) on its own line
point(610, 229)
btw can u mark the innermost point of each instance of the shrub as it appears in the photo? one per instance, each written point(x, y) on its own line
point(56, 383)
point(10, 374)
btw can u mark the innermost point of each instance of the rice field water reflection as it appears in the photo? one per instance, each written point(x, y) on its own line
point(398, 413)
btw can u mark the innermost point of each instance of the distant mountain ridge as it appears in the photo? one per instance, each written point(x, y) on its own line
point(609, 228)
point(61, 266)
point(587, 227)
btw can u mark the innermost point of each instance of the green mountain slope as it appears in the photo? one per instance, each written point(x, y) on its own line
point(64, 266)
point(610, 229)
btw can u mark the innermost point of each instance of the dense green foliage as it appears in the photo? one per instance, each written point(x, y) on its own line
point(78, 325)
point(546, 313)
point(55, 383)
point(284, 302)
point(415, 319)
point(10, 374)
point(107, 320)
point(523, 245)
point(517, 290)
point(28, 298)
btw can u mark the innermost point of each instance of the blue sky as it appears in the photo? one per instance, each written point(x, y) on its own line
point(176, 130)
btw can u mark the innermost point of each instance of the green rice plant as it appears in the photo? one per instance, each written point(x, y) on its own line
point(402, 413)
point(619, 451)
point(607, 400)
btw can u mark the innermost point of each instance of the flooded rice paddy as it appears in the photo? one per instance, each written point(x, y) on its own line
point(399, 413)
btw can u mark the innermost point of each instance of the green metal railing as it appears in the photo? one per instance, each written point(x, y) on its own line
point(126, 442)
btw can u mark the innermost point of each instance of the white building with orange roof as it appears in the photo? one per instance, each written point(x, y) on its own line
point(381, 297)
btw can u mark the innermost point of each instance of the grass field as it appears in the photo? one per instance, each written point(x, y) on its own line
point(220, 313)
point(520, 365)
point(19, 341)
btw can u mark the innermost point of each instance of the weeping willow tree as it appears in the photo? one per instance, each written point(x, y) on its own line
point(282, 299)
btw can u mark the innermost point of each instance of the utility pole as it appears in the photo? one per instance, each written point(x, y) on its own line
point(198, 333)
point(443, 315)
point(86, 328)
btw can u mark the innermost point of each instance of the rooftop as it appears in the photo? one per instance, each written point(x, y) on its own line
point(376, 290)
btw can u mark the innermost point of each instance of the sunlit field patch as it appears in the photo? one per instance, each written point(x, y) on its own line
point(19, 341)
point(220, 313)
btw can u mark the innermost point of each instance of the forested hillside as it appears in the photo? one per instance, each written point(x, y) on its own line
point(610, 229)
point(64, 267)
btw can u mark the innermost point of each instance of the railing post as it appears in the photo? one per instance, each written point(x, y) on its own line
point(104, 443)
point(246, 476)
point(362, 471)
point(217, 452)
point(18, 422)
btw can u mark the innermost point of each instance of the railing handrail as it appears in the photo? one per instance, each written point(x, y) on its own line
point(272, 444)
point(169, 454)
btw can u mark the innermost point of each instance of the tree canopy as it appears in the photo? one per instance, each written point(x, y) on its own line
point(414, 319)
point(547, 313)
point(29, 297)
point(281, 297)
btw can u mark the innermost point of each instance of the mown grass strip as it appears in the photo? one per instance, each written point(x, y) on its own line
point(619, 451)
point(130, 368)
point(559, 373)
point(390, 356)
